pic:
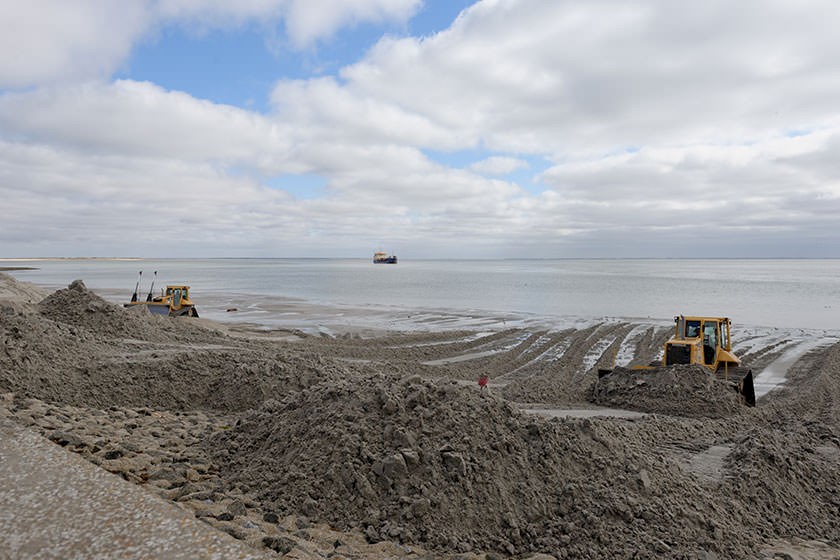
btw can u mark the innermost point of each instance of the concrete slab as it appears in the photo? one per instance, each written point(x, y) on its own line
point(56, 505)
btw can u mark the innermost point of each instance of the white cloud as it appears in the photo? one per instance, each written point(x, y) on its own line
point(57, 201)
point(322, 106)
point(661, 117)
point(673, 130)
point(547, 77)
point(144, 120)
point(711, 192)
point(50, 41)
point(308, 21)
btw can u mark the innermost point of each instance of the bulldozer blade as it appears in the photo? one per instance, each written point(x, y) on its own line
point(746, 388)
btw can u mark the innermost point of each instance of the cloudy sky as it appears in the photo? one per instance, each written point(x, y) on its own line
point(429, 128)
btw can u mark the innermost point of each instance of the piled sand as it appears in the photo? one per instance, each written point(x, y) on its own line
point(283, 444)
point(76, 348)
point(78, 306)
point(19, 292)
point(683, 390)
point(458, 469)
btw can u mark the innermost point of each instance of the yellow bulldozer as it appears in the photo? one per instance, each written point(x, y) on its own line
point(705, 341)
point(174, 301)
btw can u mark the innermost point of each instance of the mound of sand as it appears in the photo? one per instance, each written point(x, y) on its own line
point(39, 355)
point(219, 379)
point(452, 467)
point(79, 349)
point(789, 475)
point(681, 390)
point(78, 306)
point(12, 290)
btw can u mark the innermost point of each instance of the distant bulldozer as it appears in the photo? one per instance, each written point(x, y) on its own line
point(175, 301)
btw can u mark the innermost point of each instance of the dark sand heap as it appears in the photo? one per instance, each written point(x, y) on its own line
point(269, 440)
point(682, 390)
point(78, 306)
point(79, 349)
point(458, 469)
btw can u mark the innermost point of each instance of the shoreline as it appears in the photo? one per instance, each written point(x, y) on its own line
point(260, 313)
point(543, 293)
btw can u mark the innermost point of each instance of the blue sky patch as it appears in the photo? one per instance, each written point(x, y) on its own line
point(305, 186)
point(435, 16)
point(240, 66)
point(229, 67)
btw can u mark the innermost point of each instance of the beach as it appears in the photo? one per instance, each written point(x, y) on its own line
point(373, 443)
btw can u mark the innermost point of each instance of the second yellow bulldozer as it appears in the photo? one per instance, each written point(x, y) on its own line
point(175, 301)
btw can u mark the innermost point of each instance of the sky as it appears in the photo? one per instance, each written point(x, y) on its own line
point(426, 128)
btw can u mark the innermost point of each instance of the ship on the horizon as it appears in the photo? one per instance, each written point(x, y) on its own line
point(381, 257)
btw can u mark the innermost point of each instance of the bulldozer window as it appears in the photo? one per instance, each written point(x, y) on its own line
point(692, 329)
point(710, 338)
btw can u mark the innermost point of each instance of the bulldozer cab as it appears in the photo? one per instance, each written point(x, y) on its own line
point(700, 340)
point(178, 296)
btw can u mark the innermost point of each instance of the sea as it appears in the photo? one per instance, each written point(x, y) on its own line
point(325, 294)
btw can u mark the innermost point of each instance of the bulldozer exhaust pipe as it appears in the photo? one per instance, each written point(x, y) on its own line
point(151, 288)
point(136, 287)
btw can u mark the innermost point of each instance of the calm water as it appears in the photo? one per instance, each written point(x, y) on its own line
point(776, 293)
